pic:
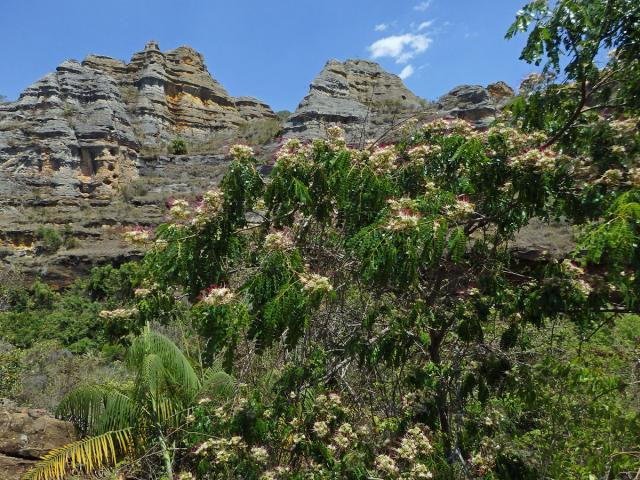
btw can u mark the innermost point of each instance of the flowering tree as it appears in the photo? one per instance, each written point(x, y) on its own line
point(393, 264)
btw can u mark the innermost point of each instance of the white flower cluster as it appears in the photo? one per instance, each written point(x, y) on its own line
point(118, 313)
point(386, 465)
point(420, 471)
point(141, 292)
point(534, 158)
point(570, 268)
point(278, 241)
point(214, 200)
point(321, 429)
point(217, 296)
point(435, 127)
point(513, 139)
point(381, 160)
point(422, 152)
point(260, 454)
point(137, 236)
point(404, 203)
point(180, 209)
point(221, 450)
point(335, 137)
point(240, 152)
point(403, 220)
point(345, 436)
point(634, 176)
point(414, 444)
point(313, 282)
point(185, 476)
point(278, 472)
point(582, 286)
point(460, 209)
point(613, 176)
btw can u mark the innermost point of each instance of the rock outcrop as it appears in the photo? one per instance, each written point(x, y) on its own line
point(25, 436)
point(358, 95)
point(474, 103)
point(83, 150)
point(81, 153)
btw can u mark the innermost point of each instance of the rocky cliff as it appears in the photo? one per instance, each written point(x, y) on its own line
point(83, 151)
point(367, 101)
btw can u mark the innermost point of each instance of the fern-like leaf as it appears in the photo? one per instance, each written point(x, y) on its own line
point(88, 455)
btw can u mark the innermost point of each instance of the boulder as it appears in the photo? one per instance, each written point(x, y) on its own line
point(26, 435)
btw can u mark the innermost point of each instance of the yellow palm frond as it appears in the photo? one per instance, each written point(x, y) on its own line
point(87, 455)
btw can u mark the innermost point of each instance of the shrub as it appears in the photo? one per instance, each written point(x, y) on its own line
point(51, 239)
point(178, 147)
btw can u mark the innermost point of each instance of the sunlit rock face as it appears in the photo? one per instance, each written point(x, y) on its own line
point(83, 151)
point(356, 94)
point(367, 102)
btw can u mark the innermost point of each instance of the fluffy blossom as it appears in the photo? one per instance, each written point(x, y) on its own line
point(313, 282)
point(118, 313)
point(216, 296)
point(460, 209)
point(414, 444)
point(278, 241)
point(345, 436)
point(381, 160)
point(260, 454)
point(421, 152)
point(386, 464)
point(335, 137)
point(613, 176)
point(321, 429)
point(570, 268)
point(421, 471)
point(240, 152)
point(137, 235)
point(141, 292)
point(403, 220)
point(179, 209)
point(537, 159)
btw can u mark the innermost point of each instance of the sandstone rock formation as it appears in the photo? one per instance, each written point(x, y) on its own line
point(25, 436)
point(83, 150)
point(79, 153)
point(356, 94)
point(367, 101)
point(474, 103)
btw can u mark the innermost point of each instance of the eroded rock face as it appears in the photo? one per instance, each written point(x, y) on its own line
point(356, 94)
point(477, 104)
point(81, 153)
point(83, 150)
point(25, 436)
point(367, 101)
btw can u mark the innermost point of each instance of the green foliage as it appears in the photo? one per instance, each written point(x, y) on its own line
point(388, 274)
point(138, 415)
point(178, 147)
point(51, 238)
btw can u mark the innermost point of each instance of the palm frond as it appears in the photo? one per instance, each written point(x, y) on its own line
point(87, 455)
point(218, 384)
point(176, 365)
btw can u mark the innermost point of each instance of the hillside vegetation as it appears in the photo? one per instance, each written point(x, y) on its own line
point(362, 313)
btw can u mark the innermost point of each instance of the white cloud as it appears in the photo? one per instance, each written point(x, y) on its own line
point(424, 25)
point(406, 72)
point(422, 6)
point(381, 27)
point(402, 48)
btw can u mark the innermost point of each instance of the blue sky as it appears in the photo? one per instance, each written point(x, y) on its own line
point(272, 49)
